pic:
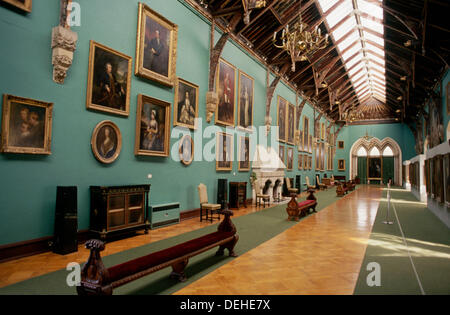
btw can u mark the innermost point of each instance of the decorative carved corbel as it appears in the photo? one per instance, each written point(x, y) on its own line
point(64, 43)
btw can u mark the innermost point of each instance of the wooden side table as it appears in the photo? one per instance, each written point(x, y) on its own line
point(238, 194)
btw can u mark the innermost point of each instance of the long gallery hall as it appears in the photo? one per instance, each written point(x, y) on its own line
point(225, 152)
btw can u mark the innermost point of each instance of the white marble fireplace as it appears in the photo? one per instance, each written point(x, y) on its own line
point(269, 170)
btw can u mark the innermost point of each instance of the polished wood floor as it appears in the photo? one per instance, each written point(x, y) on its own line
point(320, 255)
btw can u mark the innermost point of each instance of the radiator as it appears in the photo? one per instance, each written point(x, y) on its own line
point(164, 215)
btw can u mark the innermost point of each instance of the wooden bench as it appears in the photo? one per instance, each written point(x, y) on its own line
point(295, 209)
point(341, 189)
point(350, 185)
point(98, 280)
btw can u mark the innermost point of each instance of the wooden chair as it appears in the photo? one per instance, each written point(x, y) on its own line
point(308, 185)
point(289, 187)
point(210, 208)
point(321, 186)
point(260, 195)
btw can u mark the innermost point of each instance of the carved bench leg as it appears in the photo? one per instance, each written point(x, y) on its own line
point(178, 270)
point(230, 246)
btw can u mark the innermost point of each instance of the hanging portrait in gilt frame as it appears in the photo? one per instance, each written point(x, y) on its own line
point(25, 5)
point(245, 100)
point(156, 47)
point(186, 104)
point(226, 91)
point(106, 142)
point(26, 126)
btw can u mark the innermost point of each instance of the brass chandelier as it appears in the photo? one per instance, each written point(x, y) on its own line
point(299, 42)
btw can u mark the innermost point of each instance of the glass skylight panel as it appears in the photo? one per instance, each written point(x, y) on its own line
point(357, 82)
point(339, 13)
point(344, 28)
point(355, 69)
point(348, 41)
point(377, 67)
point(375, 49)
point(376, 39)
point(373, 25)
point(358, 75)
point(352, 50)
point(353, 61)
point(375, 58)
point(327, 4)
point(370, 8)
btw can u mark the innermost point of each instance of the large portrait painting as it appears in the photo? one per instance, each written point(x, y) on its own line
point(26, 125)
point(106, 142)
point(226, 91)
point(186, 150)
point(244, 153)
point(375, 168)
point(25, 5)
point(300, 162)
point(290, 124)
point(152, 127)
point(306, 134)
point(109, 80)
point(300, 144)
point(245, 101)
point(224, 151)
point(156, 47)
point(281, 118)
point(186, 104)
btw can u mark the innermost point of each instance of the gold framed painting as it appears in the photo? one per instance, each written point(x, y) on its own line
point(341, 165)
point(106, 141)
point(310, 144)
point(281, 118)
point(186, 104)
point(224, 151)
point(186, 150)
point(25, 5)
point(281, 153)
point(245, 100)
point(156, 47)
point(290, 158)
point(26, 126)
point(306, 162)
point(300, 162)
point(290, 119)
point(152, 127)
point(340, 144)
point(226, 92)
point(310, 162)
point(109, 80)
point(244, 154)
point(306, 143)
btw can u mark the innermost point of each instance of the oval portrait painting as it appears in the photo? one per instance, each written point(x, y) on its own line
point(106, 142)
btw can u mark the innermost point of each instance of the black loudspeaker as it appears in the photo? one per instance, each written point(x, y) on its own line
point(66, 221)
point(297, 183)
point(222, 192)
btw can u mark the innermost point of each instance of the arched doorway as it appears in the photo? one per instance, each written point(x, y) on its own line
point(377, 160)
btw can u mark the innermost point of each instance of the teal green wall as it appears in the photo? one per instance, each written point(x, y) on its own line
point(28, 182)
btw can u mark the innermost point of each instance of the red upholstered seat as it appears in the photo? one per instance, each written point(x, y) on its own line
point(306, 203)
point(131, 267)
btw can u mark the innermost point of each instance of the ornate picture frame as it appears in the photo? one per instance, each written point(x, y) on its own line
point(185, 104)
point(290, 126)
point(186, 150)
point(25, 5)
point(106, 142)
point(224, 151)
point(341, 165)
point(226, 91)
point(282, 106)
point(109, 80)
point(246, 97)
point(300, 162)
point(306, 135)
point(152, 127)
point(26, 126)
point(244, 154)
point(156, 47)
point(281, 153)
point(290, 158)
point(340, 144)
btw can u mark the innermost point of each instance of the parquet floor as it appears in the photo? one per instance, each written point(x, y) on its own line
point(320, 255)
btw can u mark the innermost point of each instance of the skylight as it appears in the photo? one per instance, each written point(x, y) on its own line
point(362, 49)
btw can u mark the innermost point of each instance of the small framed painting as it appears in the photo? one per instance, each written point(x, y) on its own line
point(152, 127)
point(106, 142)
point(25, 5)
point(244, 153)
point(109, 80)
point(186, 104)
point(340, 144)
point(26, 126)
point(186, 150)
point(224, 151)
point(341, 165)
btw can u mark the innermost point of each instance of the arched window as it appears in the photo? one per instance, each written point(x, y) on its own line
point(374, 152)
point(361, 152)
point(388, 151)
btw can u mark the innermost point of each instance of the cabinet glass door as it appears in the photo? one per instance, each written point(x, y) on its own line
point(116, 211)
point(136, 208)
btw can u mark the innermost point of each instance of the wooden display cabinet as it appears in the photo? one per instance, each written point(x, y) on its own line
point(119, 209)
